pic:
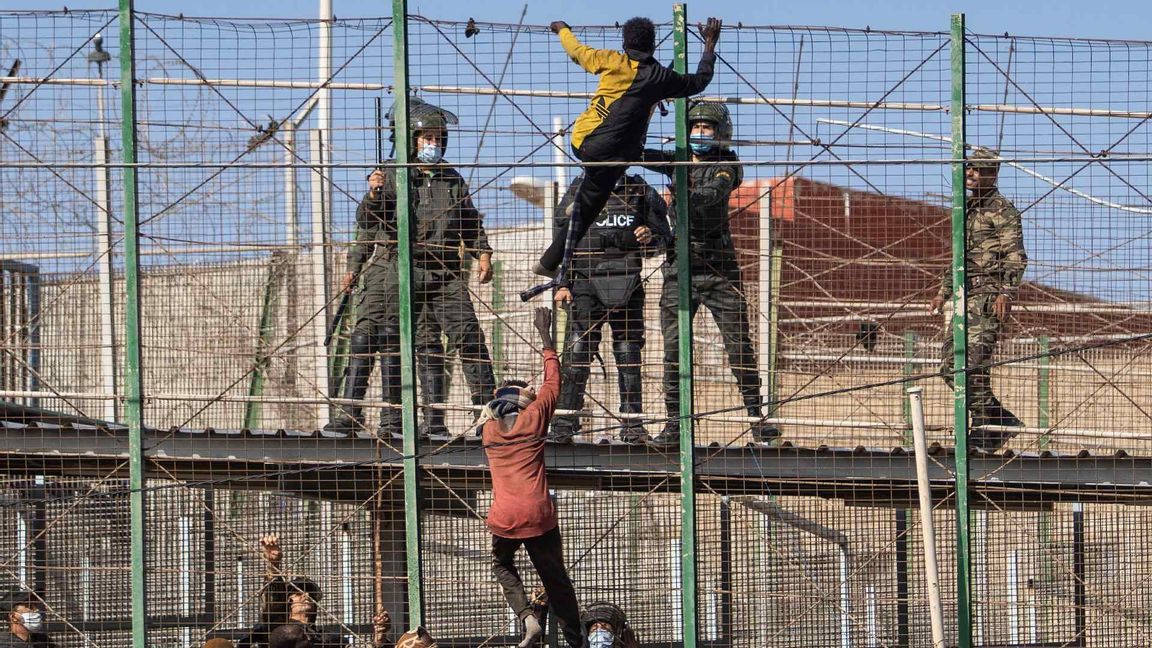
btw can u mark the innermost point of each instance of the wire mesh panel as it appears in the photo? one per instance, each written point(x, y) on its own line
point(275, 293)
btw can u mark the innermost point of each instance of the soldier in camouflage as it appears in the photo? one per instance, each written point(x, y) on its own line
point(995, 263)
point(444, 219)
point(606, 287)
point(715, 272)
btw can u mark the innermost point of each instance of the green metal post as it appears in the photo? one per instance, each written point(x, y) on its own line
point(960, 340)
point(1043, 386)
point(1048, 566)
point(773, 377)
point(253, 410)
point(684, 284)
point(133, 382)
point(407, 360)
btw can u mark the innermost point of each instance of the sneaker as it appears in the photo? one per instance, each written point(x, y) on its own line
point(669, 436)
point(634, 434)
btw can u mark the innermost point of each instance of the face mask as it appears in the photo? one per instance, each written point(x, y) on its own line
point(430, 154)
point(601, 638)
point(34, 621)
point(701, 146)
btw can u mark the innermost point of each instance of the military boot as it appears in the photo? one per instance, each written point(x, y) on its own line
point(350, 420)
point(761, 431)
point(633, 432)
point(564, 429)
point(433, 391)
point(669, 436)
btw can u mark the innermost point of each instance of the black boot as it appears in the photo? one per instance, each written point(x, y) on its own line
point(987, 432)
point(351, 418)
point(633, 432)
point(433, 390)
point(669, 436)
point(390, 417)
point(630, 384)
point(564, 429)
point(761, 431)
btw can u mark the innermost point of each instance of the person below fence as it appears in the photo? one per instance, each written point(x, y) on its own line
point(995, 261)
point(607, 288)
point(606, 626)
point(514, 425)
point(294, 601)
point(25, 621)
point(444, 220)
point(614, 126)
point(715, 271)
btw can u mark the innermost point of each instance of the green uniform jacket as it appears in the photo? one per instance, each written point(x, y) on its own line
point(443, 218)
point(995, 259)
point(709, 187)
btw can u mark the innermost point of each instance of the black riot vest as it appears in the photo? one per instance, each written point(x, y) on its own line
point(610, 247)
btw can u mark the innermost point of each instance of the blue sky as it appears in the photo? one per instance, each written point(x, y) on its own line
point(1124, 19)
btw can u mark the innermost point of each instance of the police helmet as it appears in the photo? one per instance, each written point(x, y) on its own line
point(422, 116)
point(604, 612)
point(712, 113)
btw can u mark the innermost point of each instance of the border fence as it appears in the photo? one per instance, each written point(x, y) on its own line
point(181, 201)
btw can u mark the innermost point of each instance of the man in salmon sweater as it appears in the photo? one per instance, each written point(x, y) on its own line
point(522, 513)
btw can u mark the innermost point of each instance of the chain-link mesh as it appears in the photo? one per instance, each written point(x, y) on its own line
point(820, 247)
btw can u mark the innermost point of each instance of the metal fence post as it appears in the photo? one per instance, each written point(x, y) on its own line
point(959, 339)
point(133, 383)
point(684, 284)
point(407, 359)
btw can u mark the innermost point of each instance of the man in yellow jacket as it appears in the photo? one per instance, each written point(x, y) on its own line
point(614, 126)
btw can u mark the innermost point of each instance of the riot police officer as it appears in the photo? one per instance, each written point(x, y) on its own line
point(444, 218)
point(715, 271)
point(606, 287)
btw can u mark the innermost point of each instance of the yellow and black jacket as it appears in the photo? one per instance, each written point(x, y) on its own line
point(631, 83)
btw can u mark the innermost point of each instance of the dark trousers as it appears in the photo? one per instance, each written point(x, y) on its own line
point(441, 296)
point(983, 334)
point(593, 194)
point(547, 555)
point(723, 297)
point(586, 318)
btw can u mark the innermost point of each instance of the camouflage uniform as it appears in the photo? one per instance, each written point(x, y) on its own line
point(715, 284)
point(607, 288)
point(443, 218)
point(995, 263)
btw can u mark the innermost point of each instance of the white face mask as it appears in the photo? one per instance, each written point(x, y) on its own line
point(34, 621)
point(601, 638)
point(430, 154)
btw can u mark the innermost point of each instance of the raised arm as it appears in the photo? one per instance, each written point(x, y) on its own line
point(677, 85)
point(550, 390)
point(594, 61)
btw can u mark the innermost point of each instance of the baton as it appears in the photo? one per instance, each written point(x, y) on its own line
point(334, 325)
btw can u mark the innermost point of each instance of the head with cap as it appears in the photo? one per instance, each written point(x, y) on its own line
point(981, 170)
point(416, 638)
point(640, 35)
point(25, 613)
point(510, 397)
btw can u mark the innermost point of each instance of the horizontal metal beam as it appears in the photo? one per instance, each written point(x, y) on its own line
point(344, 469)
